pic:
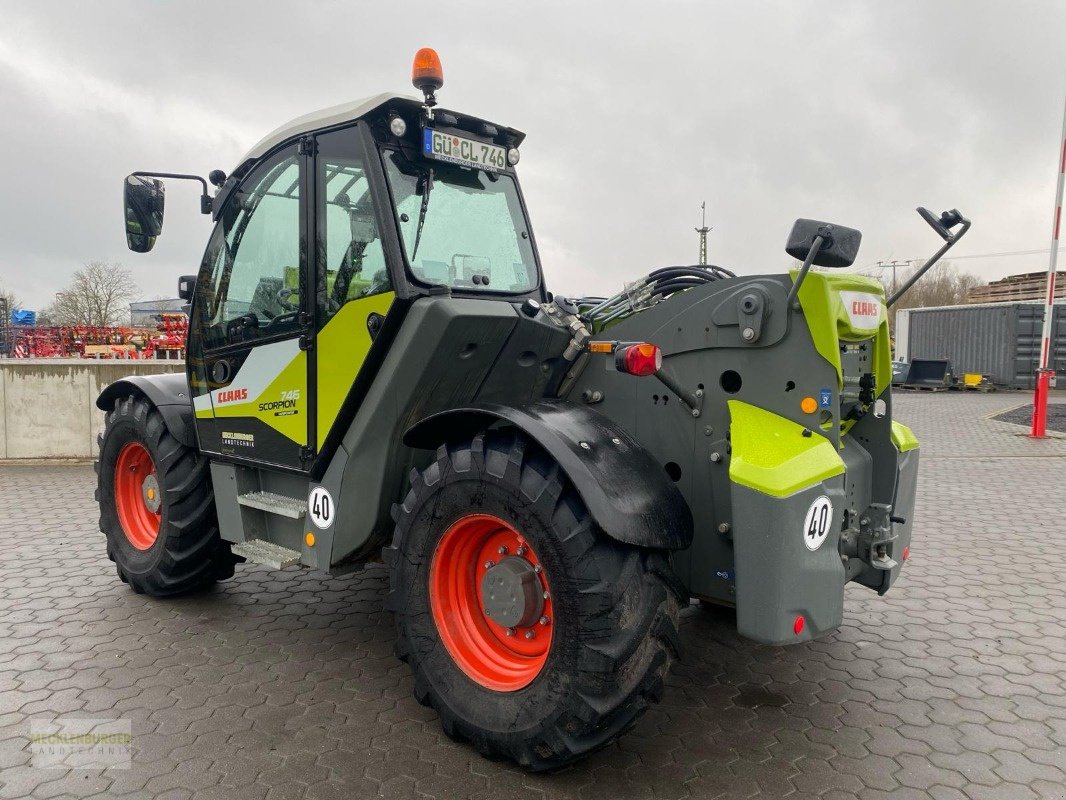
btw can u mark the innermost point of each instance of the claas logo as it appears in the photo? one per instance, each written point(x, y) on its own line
point(231, 395)
point(864, 308)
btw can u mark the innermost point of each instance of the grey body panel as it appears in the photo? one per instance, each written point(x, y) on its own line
point(444, 356)
point(700, 333)
point(239, 522)
point(700, 336)
point(627, 492)
point(777, 577)
point(168, 392)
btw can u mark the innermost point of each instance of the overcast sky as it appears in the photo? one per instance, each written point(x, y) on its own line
point(851, 112)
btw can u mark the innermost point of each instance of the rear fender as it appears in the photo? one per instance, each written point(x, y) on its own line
point(169, 392)
point(627, 492)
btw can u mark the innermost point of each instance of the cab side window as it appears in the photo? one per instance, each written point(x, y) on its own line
point(351, 257)
point(255, 282)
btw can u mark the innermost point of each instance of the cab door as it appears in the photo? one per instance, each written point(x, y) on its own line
point(356, 309)
point(251, 318)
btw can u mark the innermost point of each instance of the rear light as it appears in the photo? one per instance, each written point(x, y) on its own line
point(798, 625)
point(906, 552)
point(638, 359)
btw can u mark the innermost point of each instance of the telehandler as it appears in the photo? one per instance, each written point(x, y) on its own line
point(376, 369)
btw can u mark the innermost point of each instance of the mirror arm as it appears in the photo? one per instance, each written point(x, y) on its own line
point(948, 244)
point(205, 198)
point(816, 246)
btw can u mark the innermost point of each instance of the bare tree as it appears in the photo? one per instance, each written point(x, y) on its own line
point(943, 285)
point(98, 294)
point(12, 302)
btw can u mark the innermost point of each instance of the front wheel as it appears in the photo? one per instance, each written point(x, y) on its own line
point(534, 635)
point(157, 508)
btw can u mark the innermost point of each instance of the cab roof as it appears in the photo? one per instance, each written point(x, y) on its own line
point(324, 118)
point(355, 109)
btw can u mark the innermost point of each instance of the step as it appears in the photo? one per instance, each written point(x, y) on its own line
point(274, 503)
point(260, 551)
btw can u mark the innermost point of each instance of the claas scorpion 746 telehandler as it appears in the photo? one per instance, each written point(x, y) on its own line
point(376, 368)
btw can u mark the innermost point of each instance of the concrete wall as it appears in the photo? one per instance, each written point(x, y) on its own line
point(48, 405)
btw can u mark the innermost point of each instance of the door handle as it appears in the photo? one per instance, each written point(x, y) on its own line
point(220, 372)
point(373, 324)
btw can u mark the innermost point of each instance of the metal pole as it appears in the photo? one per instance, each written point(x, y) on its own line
point(703, 230)
point(1044, 373)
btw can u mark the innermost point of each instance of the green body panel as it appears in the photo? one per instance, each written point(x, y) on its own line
point(772, 455)
point(342, 347)
point(903, 437)
point(291, 377)
point(830, 324)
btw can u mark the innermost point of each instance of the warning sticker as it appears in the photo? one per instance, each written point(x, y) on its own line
point(816, 525)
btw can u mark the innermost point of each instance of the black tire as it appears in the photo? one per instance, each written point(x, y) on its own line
point(615, 606)
point(188, 554)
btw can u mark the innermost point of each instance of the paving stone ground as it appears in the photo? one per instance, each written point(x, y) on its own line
point(1055, 417)
point(283, 685)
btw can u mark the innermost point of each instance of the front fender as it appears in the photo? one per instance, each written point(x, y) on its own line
point(168, 391)
point(627, 492)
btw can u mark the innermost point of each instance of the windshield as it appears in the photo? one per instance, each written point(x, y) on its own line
point(473, 233)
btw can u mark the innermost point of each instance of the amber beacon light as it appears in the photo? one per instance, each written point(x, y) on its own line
point(427, 74)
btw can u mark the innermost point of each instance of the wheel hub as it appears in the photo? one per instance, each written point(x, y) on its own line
point(512, 594)
point(150, 493)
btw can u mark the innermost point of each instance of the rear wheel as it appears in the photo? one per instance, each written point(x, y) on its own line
point(157, 509)
point(534, 635)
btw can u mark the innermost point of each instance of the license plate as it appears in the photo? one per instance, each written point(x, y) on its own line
point(465, 152)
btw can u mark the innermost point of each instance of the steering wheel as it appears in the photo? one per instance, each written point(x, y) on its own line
point(284, 298)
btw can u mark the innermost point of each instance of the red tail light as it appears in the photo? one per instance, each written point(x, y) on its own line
point(798, 624)
point(639, 359)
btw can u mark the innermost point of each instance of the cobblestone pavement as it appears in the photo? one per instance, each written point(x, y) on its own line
point(283, 685)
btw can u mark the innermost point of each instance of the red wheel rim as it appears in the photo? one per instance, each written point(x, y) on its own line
point(482, 648)
point(137, 496)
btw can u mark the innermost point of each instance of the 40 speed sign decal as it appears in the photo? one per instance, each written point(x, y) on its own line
point(320, 507)
point(816, 525)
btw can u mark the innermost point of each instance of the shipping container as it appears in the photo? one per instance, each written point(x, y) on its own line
point(998, 340)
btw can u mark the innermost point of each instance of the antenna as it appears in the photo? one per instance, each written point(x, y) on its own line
point(703, 230)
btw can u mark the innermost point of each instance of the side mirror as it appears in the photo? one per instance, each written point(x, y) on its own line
point(143, 201)
point(186, 287)
point(942, 224)
point(839, 249)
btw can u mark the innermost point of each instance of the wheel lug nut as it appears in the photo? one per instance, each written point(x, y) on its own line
point(544, 620)
point(521, 550)
point(547, 596)
point(510, 631)
point(503, 550)
point(530, 634)
point(488, 565)
point(537, 569)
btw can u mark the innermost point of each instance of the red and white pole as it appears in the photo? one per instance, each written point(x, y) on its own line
point(1045, 374)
